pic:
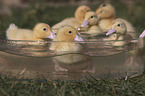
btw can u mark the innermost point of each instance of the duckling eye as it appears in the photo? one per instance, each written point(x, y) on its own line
point(44, 29)
point(70, 32)
point(101, 11)
point(92, 16)
point(118, 25)
point(87, 10)
point(104, 5)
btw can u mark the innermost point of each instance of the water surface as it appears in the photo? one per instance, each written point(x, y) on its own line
point(98, 58)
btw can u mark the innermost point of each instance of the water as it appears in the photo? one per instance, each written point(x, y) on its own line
point(97, 59)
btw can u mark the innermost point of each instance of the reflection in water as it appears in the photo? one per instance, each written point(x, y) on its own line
point(73, 63)
point(98, 61)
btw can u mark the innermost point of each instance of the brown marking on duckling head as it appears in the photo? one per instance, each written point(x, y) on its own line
point(106, 11)
point(81, 11)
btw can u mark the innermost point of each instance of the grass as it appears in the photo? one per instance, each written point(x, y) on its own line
point(41, 12)
point(89, 87)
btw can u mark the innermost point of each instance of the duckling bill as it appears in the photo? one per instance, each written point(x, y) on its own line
point(142, 34)
point(91, 18)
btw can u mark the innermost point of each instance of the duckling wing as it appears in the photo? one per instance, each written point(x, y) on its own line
point(15, 33)
point(105, 24)
point(68, 21)
point(94, 30)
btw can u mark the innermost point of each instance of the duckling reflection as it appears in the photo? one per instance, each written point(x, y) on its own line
point(73, 21)
point(107, 14)
point(133, 56)
point(69, 59)
point(135, 62)
point(33, 66)
point(90, 24)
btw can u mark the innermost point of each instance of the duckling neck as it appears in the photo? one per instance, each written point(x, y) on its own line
point(65, 47)
point(119, 37)
point(105, 24)
point(80, 18)
point(116, 37)
point(36, 38)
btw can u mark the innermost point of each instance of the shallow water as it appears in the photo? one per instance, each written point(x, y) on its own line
point(34, 59)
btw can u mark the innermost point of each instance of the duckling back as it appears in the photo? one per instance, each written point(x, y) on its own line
point(15, 33)
point(69, 21)
point(73, 21)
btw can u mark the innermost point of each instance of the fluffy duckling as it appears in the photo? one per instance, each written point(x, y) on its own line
point(66, 36)
point(119, 30)
point(40, 31)
point(91, 20)
point(73, 21)
point(66, 33)
point(107, 14)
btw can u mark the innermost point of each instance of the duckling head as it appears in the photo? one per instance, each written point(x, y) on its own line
point(106, 11)
point(81, 11)
point(119, 28)
point(42, 30)
point(91, 18)
point(68, 33)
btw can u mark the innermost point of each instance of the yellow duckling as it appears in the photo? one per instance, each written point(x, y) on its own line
point(107, 14)
point(40, 31)
point(66, 33)
point(66, 36)
point(73, 21)
point(119, 30)
point(91, 20)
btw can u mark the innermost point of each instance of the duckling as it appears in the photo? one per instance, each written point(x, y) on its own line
point(66, 33)
point(107, 14)
point(40, 31)
point(66, 36)
point(119, 29)
point(73, 21)
point(91, 20)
